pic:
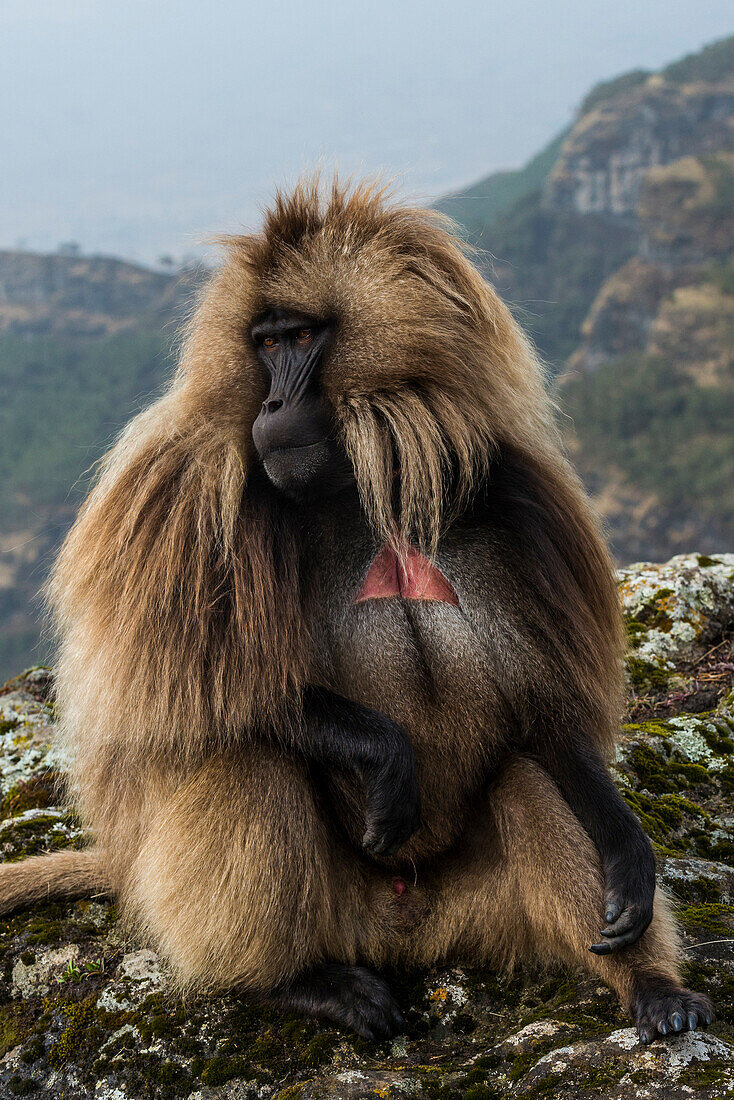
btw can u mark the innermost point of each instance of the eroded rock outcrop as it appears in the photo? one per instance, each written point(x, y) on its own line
point(612, 147)
point(670, 300)
point(85, 1013)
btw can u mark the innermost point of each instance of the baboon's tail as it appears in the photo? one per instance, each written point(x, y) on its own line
point(58, 875)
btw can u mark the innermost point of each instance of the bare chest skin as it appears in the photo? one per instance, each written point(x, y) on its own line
point(432, 665)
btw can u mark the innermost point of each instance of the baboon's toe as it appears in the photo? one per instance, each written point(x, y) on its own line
point(665, 1009)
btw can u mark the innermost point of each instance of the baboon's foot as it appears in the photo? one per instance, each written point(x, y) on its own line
point(349, 996)
point(663, 1008)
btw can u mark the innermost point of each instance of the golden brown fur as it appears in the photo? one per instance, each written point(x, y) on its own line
point(181, 603)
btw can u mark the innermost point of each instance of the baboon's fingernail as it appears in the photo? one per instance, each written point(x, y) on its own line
point(677, 1021)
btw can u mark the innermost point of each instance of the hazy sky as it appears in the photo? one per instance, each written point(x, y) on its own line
point(136, 127)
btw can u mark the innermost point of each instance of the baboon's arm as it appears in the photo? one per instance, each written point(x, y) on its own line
point(626, 854)
point(335, 731)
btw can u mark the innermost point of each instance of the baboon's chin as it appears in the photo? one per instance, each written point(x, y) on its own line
point(310, 471)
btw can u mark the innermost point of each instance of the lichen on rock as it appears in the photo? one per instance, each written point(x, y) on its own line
point(86, 1013)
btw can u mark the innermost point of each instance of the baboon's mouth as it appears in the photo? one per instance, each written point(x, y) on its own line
point(409, 575)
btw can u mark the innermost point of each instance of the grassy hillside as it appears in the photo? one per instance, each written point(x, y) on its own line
point(651, 386)
point(549, 266)
point(711, 64)
point(62, 401)
point(646, 430)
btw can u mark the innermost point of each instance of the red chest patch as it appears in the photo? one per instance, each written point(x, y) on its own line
point(412, 577)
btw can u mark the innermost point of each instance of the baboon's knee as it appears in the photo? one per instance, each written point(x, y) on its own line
point(231, 880)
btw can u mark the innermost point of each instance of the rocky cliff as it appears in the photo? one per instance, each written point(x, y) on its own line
point(556, 230)
point(685, 218)
point(651, 386)
point(606, 157)
point(85, 1011)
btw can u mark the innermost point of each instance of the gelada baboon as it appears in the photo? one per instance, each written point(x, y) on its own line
point(340, 646)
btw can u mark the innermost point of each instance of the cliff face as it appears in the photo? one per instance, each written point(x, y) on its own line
point(651, 386)
point(87, 1012)
point(557, 229)
point(606, 158)
point(685, 217)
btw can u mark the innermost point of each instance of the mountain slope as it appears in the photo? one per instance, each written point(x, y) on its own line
point(74, 295)
point(621, 264)
point(551, 249)
point(651, 387)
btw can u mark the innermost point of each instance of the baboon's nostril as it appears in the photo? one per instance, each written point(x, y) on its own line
point(272, 406)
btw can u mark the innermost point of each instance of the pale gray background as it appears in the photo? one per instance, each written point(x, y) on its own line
point(137, 127)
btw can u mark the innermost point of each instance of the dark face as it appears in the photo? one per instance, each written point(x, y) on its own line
point(295, 432)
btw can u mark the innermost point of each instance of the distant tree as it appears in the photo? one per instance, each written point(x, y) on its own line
point(167, 261)
point(69, 248)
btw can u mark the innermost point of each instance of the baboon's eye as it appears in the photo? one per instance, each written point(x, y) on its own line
point(270, 342)
point(304, 335)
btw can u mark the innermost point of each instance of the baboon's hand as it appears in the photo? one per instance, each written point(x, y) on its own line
point(393, 800)
point(628, 901)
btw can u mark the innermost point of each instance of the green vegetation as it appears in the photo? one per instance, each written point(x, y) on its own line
point(608, 89)
point(37, 793)
point(722, 276)
point(62, 400)
point(549, 265)
point(714, 62)
point(668, 435)
point(721, 173)
point(503, 215)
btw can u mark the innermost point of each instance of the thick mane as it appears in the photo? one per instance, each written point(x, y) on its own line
point(165, 592)
point(176, 594)
point(428, 370)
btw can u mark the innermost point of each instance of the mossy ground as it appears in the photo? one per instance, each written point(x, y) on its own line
point(92, 1029)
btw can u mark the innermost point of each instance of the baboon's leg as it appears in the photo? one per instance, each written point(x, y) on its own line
point(241, 882)
point(531, 885)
